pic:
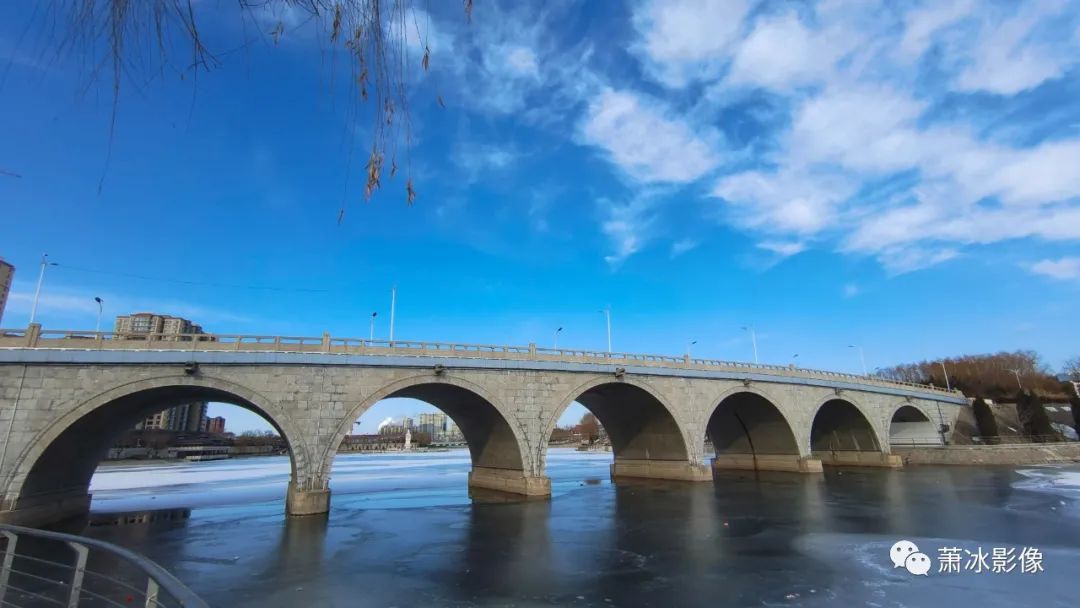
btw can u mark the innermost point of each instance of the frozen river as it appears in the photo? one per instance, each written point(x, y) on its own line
point(403, 532)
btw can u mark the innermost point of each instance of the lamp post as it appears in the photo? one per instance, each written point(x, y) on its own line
point(41, 279)
point(753, 340)
point(862, 356)
point(607, 314)
point(97, 328)
point(691, 343)
point(393, 302)
point(1016, 372)
point(793, 358)
point(371, 332)
point(948, 386)
point(555, 341)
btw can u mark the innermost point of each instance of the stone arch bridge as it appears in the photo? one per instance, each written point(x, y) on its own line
point(66, 396)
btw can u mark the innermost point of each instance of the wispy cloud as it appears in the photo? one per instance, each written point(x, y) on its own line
point(1067, 268)
point(647, 142)
point(70, 303)
point(682, 246)
point(865, 87)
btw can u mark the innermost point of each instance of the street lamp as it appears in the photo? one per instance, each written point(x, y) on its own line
point(793, 358)
point(948, 386)
point(371, 332)
point(393, 302)
point(862, 357)
point(1016, 373)
point(97, 328)
point(555, 342)
point(692, 342)
point(41, 278)
point(753, 340)
point(607, 313)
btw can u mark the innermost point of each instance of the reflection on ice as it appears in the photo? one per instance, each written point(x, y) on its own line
point(392, 480)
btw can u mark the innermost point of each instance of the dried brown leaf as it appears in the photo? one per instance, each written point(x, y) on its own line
point(426, 61)
point(374, 168)
point(442, 104)
point(410, 194)
point(468, 10)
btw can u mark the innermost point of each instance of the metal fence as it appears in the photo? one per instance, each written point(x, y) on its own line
point(43, 568)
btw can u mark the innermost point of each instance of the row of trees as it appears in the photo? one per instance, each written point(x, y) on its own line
point(1019, 377)
point(996, 376)
point(587, 429)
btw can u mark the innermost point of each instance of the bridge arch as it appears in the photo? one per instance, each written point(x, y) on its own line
point(841, 432)
point(51, 477)
point(749, 430)
point(910, 424)
point(496, 445)
point(647, 438)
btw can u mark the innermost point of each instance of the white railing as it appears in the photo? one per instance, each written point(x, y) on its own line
point(35, 337)
point(37, 569)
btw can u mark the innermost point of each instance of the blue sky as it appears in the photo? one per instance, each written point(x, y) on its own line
point(903, 177)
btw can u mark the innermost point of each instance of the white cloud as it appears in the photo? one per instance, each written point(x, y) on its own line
point(922, 22)
point(683, 40)
point(851, 290)
point(780, 53)
point(1008, 56)
point(681, 246)
point(783, 248)
point(1061, 268)
point(628, 226)
point(643, 140)
point(783, 203)
point(480, 160)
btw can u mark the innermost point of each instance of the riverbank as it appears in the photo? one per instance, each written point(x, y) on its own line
point(1010, 454)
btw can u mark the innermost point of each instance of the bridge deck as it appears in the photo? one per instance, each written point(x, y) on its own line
point(19, 346)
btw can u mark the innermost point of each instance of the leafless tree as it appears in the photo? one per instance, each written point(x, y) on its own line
point(126, 39)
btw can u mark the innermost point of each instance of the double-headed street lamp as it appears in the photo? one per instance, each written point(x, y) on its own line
point(753, 340)
point(1016, 372)
point(41, 279)
point(862, 357)
point(948, 387)
point(607, 314)
point(97, 328)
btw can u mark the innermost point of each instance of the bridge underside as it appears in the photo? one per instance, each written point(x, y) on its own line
point(749, 433)
point(645, 438)
point(57, 485)
point(493, 447)
point(842, 436)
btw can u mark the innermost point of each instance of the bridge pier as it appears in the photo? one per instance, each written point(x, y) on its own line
point(860, 459)
point(46, 509)
point(511, 481)
point(300, 502)
point(792, 463)
point(677, 470)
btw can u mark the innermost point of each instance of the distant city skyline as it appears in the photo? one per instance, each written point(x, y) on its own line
point(240, 419)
